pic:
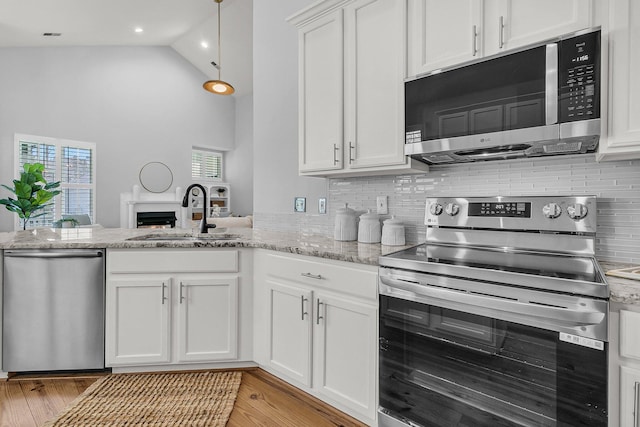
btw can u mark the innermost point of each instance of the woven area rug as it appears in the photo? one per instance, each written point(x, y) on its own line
point(172, 399)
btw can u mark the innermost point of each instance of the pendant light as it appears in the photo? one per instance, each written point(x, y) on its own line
point(219, 87)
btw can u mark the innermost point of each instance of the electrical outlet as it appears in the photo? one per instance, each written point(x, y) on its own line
point(381, 205)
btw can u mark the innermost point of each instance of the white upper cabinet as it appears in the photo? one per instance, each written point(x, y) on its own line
point(442, 34)
point(519, 23)
point(351, 100)
point(320, 57)
point(622, 139)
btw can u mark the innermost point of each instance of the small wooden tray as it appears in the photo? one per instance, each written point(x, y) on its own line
point(626, 273)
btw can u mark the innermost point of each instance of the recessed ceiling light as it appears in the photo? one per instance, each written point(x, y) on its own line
point(138, 30)
point(204, 44)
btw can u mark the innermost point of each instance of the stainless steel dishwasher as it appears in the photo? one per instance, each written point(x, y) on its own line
point(53, 310)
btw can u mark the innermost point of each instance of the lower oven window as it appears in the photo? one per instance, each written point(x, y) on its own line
point(441, 367)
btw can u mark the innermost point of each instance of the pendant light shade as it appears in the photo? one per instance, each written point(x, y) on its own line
point(219, 87)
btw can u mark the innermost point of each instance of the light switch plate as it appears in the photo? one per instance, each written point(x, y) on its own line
point(300, 204)
point(381, 205)
point(322, 205)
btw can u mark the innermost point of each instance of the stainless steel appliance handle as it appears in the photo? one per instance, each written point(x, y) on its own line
point(57, 254)
point(551, 84)
point(302, 310)
point(463, 300)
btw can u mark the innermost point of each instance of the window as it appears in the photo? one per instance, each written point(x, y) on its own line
point(206, 165)
point(70, 162)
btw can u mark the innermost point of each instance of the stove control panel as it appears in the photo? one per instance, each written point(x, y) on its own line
point(572, 214)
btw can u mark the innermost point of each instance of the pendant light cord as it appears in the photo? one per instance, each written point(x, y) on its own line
point(219, 44)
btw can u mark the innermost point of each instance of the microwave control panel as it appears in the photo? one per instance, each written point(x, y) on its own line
point(579, 75)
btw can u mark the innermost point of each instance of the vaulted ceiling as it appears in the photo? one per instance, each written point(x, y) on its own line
point(182, 24)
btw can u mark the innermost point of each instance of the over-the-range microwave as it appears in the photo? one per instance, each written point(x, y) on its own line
point(535, 101)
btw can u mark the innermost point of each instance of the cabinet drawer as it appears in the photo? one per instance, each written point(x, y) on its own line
point(188, 260)
point(347, 278)
point(629, 338)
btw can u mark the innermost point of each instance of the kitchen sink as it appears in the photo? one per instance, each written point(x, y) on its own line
point(187, 238)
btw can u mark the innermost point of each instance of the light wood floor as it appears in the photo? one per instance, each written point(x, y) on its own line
point(263, 400)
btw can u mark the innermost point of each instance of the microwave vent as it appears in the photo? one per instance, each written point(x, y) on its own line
point(438, 158)
point(563, 147)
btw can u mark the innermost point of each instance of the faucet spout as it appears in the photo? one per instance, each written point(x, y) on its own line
point(204, 227)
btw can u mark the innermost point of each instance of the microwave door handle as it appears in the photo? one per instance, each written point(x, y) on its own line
point(551, 84)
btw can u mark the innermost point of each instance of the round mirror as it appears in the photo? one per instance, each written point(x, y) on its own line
point(156, 177)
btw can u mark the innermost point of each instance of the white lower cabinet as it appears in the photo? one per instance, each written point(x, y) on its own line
point(317, 328)
point(172, 307)
point(624, 366)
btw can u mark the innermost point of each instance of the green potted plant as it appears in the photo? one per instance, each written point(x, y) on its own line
point(32, 192)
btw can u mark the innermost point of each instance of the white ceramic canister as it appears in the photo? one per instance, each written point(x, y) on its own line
point(369, 228)
point(393, 232)
point(345, 224)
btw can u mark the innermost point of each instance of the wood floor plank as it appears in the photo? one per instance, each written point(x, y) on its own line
point(14, 410)
point(46, 397)
point(263, 401)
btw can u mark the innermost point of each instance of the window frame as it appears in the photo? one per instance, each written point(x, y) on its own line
point(207, 152)
point(58, 143)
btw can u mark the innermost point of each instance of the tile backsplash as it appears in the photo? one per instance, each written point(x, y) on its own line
point(615, 184)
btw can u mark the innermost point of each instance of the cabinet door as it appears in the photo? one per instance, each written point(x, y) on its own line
point(443, 33)
point(137, 321)
point(320, 118)
point(623, 140)
point(289, 344)
point(519, 23)
point(374, 118)
point(345, 353)
point(629, 397)
point(207, 318)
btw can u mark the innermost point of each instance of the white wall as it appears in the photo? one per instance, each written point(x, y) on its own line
point(275, 101)
point(239, 162)
point(138, 104)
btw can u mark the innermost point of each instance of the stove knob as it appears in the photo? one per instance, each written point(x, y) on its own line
point(435, 209)
point(452, 209)
point(552, 210)
point(577, 211)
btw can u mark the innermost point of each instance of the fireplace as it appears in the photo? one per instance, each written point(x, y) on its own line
point(162, 219)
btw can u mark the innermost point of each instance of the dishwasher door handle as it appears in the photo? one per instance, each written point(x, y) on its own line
point(58, 254)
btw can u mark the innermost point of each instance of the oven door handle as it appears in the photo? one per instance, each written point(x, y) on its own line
point(562, 318)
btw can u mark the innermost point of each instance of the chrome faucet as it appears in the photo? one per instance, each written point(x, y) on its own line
point(204, 227)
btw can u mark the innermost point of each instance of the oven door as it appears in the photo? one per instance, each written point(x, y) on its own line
point(447, 362)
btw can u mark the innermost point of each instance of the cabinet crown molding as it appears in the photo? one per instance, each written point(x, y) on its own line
point(315, 11)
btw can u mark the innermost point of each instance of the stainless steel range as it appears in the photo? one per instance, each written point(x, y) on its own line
point(500, 319)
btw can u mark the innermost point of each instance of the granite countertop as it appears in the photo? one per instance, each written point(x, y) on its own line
point(99, 237)
point(625, 291)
